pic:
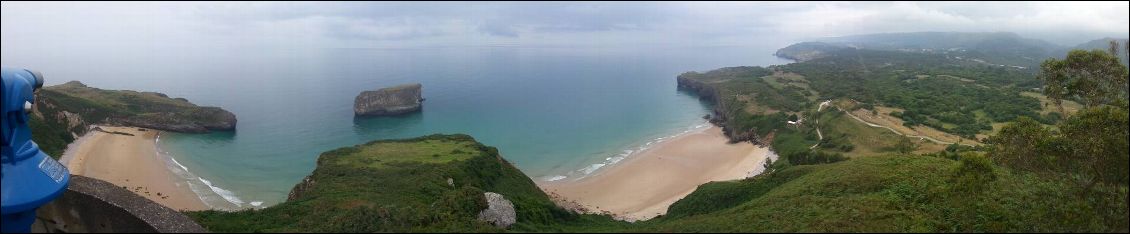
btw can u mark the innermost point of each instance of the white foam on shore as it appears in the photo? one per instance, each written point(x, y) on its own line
point(213, 196)
point(591, 168)
point(226, 194)
point(178, 164)
point(155, 144)
point(555, 178)
point(256, 203)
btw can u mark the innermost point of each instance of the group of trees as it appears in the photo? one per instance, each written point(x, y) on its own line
point(947, 94)
point(814, 157)
point(1089, 147)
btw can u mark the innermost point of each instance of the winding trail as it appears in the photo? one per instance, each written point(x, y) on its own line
point(897, 132)
point(828, 102)
point(818, 133)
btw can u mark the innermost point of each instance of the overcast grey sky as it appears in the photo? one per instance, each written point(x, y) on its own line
point(409, 24)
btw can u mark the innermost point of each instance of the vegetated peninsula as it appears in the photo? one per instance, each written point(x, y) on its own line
point(433, 183)
point(65, 112)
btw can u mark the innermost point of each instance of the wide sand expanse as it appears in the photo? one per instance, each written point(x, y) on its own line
point(131, 162)
point(644, 185)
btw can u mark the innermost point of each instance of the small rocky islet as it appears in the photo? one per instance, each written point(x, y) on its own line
point(390, 101)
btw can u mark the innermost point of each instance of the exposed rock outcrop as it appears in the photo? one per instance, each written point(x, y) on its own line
point(396, 100)
point(500, 211)
point(300, 189)
point(203, 120)
point(709, 93)
point(720, 116)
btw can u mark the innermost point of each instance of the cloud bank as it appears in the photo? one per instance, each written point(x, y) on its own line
point(415, 24)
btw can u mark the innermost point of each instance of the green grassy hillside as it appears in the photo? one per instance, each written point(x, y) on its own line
point(401, 185)
point(893, 194)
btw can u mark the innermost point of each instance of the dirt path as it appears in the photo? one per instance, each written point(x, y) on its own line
point(897, 132)
point(818, 133)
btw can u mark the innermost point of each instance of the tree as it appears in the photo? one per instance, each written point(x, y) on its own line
point(1090, 147)
point(1023, 145)
point(973, 174)
point(1095, 76)
point(905, 146)
point(1098, 145)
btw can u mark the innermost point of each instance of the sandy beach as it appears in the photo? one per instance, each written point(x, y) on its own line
point(644, 185)
point(131, 162)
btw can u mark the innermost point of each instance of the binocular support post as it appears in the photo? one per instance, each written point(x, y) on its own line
point(29, 177)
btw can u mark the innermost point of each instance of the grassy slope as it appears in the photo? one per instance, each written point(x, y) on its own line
point(398, 185)
point(882, 192)
point(401, 185)
point(867, 140)
point(892, 194)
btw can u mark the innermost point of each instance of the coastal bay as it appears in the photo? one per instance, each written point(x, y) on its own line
point(128, 157)
point(562, 111)
point(646, 184)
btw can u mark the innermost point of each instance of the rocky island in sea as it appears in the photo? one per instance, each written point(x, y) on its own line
point(396, 100)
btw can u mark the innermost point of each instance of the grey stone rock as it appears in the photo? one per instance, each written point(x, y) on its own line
point(396, 100)
point(301, 188)
point(499, 212)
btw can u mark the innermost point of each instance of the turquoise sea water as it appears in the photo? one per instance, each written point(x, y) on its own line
point(554, 112)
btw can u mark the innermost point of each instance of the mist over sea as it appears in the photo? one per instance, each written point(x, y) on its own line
point(554, 112)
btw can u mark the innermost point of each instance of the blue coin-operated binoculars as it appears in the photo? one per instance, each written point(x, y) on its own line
point(30, 178)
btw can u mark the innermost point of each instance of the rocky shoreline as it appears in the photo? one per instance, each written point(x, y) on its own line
point(720, 116)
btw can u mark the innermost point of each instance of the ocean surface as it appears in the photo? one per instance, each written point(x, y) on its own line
point(557, 113)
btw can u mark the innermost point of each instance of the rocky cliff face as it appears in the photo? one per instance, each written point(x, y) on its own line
point(401, 99)
point(709, 93)
point(720, 114)
point(204, 120)
point(300, 189)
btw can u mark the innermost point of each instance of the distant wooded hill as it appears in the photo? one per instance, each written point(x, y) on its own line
point(997, 48)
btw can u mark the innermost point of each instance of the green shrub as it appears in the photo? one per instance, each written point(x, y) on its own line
point(973, 173)
point(814, 157)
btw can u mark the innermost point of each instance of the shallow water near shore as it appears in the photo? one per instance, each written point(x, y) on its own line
point(556, 113)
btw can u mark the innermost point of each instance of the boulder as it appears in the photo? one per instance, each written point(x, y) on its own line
point(499, 212)
point(396, 100)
